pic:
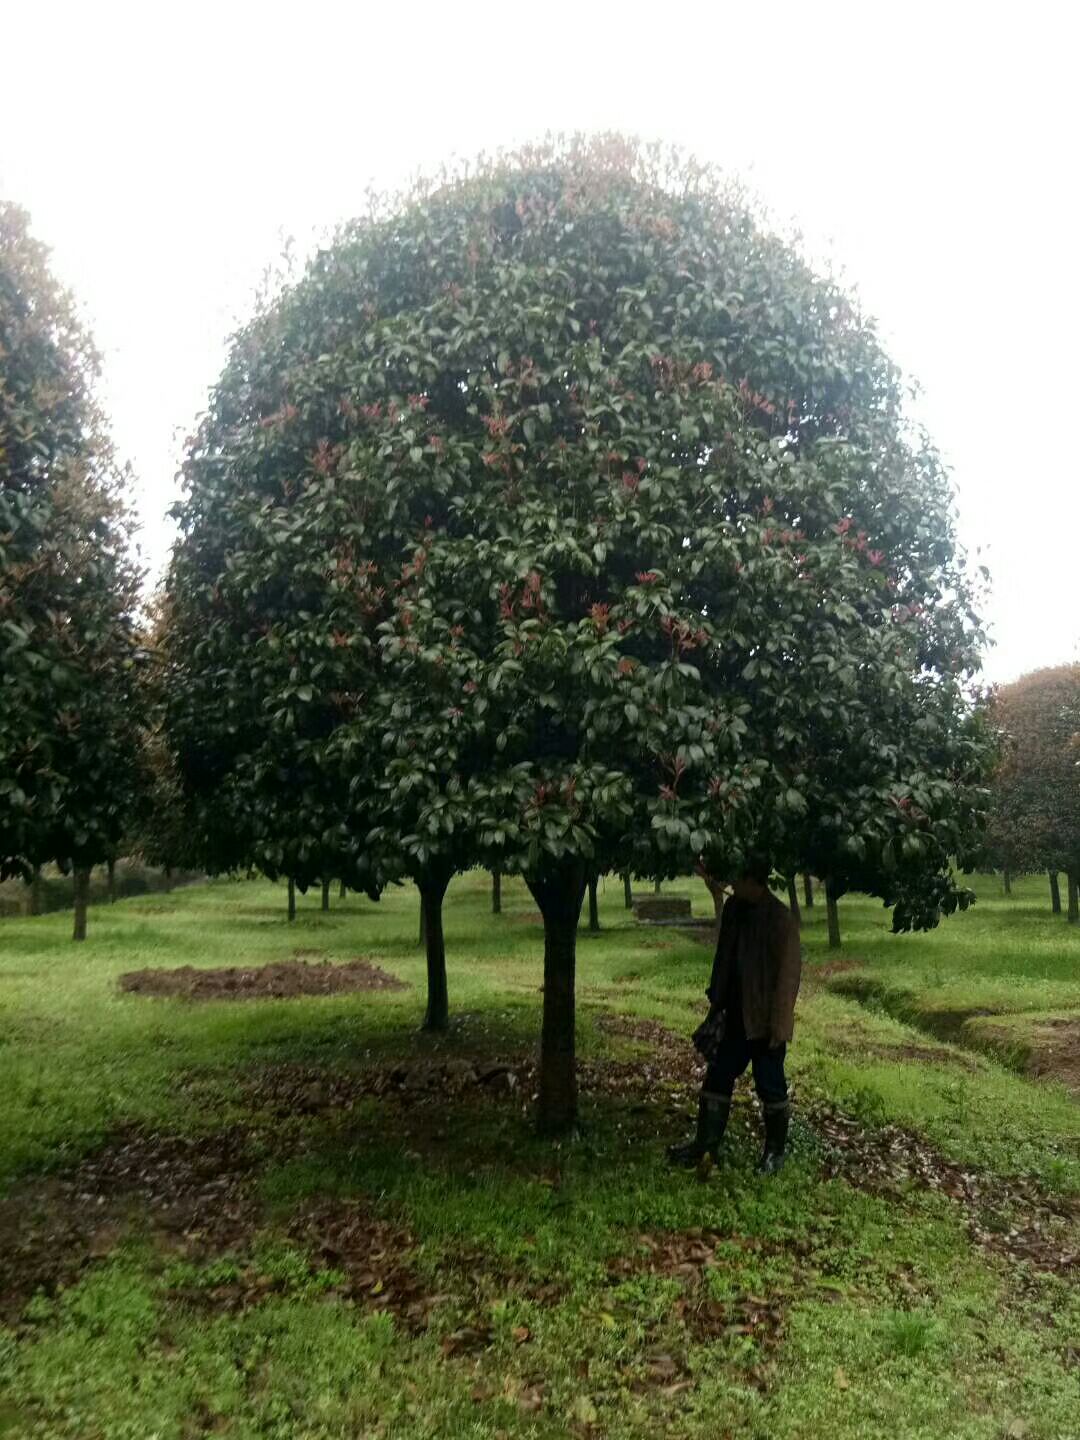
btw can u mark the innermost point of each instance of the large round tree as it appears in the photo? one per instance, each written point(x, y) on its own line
point(609, 504)
point(68, 703)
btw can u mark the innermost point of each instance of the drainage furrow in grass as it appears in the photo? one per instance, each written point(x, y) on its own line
point(1018, 1039)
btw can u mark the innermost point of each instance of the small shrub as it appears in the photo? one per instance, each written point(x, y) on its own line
point(910, 1332)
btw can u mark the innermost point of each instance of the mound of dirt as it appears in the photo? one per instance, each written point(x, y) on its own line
point(1055, 1051)
point(280, 980)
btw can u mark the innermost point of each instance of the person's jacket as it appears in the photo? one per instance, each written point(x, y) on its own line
point(763, 940)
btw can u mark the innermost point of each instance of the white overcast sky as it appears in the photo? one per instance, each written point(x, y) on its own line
point(930, 150)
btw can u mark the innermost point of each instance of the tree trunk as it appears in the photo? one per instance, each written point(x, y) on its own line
point(716, 890)
point(808, 891)
point(292, 898)
point(793, 900)
point(1006, 880)
point(832, 895)
point(110, 868)
point(719, 899)
point(656, 887)
point(343, 890)
point(559, 894)
point(594, 906)
point(37, 893)
point(326, 894)
point(1055, 894)
point(1074, 897)
point(433, 885)
point(82, 898)
point(423, 919)
point(627, 891)
point(496, 892)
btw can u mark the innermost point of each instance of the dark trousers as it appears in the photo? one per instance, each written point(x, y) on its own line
point(735, 1053)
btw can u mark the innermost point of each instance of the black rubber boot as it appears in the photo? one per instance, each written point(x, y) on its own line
point(777, 1118)
point(713, 1112)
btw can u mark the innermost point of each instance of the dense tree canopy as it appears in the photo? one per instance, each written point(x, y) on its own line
point(68, 716)
point(1035, 811)
point(562, 519)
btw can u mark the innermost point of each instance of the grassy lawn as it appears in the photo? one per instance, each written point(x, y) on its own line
point(300, 1218)
point(1005, 979)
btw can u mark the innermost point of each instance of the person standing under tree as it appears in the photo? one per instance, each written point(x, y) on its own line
point(755, 979)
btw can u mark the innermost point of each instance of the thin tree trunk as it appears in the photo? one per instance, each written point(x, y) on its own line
point(832, 910)
point(1055, 894)
point(1006, 880)
point(496, 892)
point(292, 898)
point(1074, 897)
point(656, 887)
point(808, 891)
point(37, 892)
point(433, 885)
point(343, 890)
point(719, 895)
point(559, 894)
point(168, 879)
point(627, 891)
point(110, 868)
point(82, 898)
point(594, 905)
point(719, 899)
point(793, 900)
point(326, 894)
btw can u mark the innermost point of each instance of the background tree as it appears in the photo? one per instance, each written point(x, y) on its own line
point(68, 589)
point(162, 832)
point(268, 638)
point(896, 793)
point(1035, 809)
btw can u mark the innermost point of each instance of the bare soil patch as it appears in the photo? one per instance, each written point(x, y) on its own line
point(357, 1254)
point(195, 1195)
point(1055, 1051)
point(830, 967)
point(640, 1028)
point(197, 1198)
point(279, 980)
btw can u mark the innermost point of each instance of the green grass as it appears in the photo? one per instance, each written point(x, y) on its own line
point(988, 980)
point(880, 1316)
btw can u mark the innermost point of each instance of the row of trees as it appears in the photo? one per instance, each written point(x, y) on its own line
point(560, 520)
